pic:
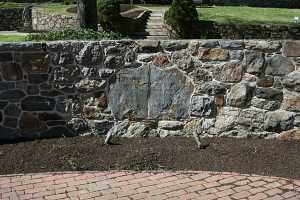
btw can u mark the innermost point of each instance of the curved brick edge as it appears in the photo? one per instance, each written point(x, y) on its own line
point(147, 185)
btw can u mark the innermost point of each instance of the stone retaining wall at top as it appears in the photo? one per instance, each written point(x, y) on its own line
point(215, 88)
point(11, 19)
point(45, 21)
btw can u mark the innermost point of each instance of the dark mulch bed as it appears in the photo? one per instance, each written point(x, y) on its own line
point(264, 157)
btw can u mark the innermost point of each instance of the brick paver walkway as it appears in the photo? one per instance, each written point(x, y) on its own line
point(147, 185)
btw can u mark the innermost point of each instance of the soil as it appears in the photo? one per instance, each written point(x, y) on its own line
point(251, 156)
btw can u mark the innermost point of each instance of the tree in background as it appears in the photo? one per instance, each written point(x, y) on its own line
point(87, 13)
point(182, 16)
point(109, 14)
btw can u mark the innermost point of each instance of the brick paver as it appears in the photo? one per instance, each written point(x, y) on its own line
point(133, 185)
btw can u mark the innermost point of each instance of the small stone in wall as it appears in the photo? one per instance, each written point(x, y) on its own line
point(78, 125)
point(269, 93)
point(12, 110)
point(8, 134)
point(31, 122)
point(35, 62)
point(227, 119)
point(87, 85)
point(173, 45)
point(202, 106)
point(232, 44)
point(170, 125)
point(254, 62)
point(252, 118)
point(11, 72)
point(231, 72)
point(161, 60)
point(37, 78)
point(216, 54)
point(279, 66)
point(291, 101)
point(279, 121)
point(5, 57)
point(290, 135)
point(265, 104)
point(10, 122)
point(37, 103)
point(114, 62)
point(292, 81)
point(240, 95)
point(90, 54)
point(66, 59)
point(265, 81)
point(12, 95)
point(137, 129)
point(291, 48)
point(148, 46)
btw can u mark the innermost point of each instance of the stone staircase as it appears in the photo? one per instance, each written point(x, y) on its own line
point(154, 28)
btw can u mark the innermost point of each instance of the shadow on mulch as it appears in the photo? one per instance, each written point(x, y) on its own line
point(251, 156)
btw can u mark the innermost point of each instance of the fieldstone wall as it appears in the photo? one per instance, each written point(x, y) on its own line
point(215, 88)
point(11, 19)
point(45, 21)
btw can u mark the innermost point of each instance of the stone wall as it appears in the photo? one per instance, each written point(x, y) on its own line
point(214, 88)
point(45, 21)
point(11, 19)
point(234, 31)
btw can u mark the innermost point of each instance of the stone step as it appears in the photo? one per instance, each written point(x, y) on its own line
point(149, 26)
point(157, 37)
point(156, 14)
point(155, 30)
point(155, 24)
point(150, 33)
point(155, 21)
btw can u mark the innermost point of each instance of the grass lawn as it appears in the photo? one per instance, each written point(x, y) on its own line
point(11, 5)
point(248, 15)
point(12, 38)
point(58, 8)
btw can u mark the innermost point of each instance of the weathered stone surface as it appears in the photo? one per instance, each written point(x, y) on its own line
point(263, 45)
point(10, 122)
point(209, 43)
point(212, 88)
point(278, 83)
point(7, 134)
point(137, 129)
point(173, 45)
point(33, 90)
point(90, 54)
point(253, 118)
point(193, 126)
point(231, 72)
point(202, 106)
point(279, 66)
point(150, 93)
point(7, 85)
point(51, 93)
point(236, 55)
point(37, 103)
point(5, 57)
point(227, 118)
point(269, 93)
point(37, 78)
point(290, 135)
point(66, 58)
point(169, 133)
point(279, 121)
point(78, 125)
point(119, 128)
point(11, 72)
point(12, 95)
point(183, 60)
point(12, 110)
point(102, 126)
point(87, 85)
point(114, 62)
point(45, 116)
point(266, 81)
point(291, 48)
point(35, 62)
point(255, 62)
point(291, 101)
point(170, 125)
point(232, 44)
point(216, 54)
point(201, 75)
point(265, 104)
point(148, 46)
point(3, 104)
point(30, 122)
point(240, 95)
point(292, 81)
point(146, 57)
point(161, 60)
point(67, 74)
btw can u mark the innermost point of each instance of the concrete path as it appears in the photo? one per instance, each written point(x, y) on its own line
point(128, 185)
